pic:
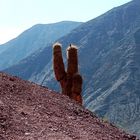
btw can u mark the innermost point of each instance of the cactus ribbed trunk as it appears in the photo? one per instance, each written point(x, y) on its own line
point(77, 88)
point(70, 81)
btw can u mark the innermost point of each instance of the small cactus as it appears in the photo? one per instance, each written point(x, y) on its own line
point(70, 81)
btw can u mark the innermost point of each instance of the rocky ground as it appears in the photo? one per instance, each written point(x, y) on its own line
point(32, 112)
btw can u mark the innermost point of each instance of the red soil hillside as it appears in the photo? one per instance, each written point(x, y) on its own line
point(32, 112)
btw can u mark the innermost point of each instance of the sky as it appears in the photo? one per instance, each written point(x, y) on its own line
point(19, 15)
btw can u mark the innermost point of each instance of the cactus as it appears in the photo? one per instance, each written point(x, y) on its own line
point(70, 81)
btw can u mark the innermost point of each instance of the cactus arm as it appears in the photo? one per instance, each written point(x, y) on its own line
point(58, 66)
point(72, 57)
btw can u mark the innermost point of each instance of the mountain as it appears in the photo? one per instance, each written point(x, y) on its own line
point(31, 40)
point(109, 57)
point(29, 111)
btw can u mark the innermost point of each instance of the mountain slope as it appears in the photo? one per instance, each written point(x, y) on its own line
point(31, 40)
point(28, 111)
point(109, 62)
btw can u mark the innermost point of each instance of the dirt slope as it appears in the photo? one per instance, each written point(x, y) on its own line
point(32, 112)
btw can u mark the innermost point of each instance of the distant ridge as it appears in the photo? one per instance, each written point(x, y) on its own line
point(34, 38)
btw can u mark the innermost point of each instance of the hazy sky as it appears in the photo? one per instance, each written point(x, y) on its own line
point(18, 15)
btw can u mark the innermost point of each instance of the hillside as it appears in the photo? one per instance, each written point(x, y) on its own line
point(109, 55)
point(33, 39)
point(29, 111)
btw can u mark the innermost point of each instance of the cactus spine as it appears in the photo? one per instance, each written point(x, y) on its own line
point(70, 81)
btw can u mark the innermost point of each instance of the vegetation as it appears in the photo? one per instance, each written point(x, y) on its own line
point(70, 81)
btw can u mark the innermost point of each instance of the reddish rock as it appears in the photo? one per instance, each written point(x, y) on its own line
point(31, 112)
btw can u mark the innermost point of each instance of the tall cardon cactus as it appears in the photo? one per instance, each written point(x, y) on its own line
point(70, 80)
